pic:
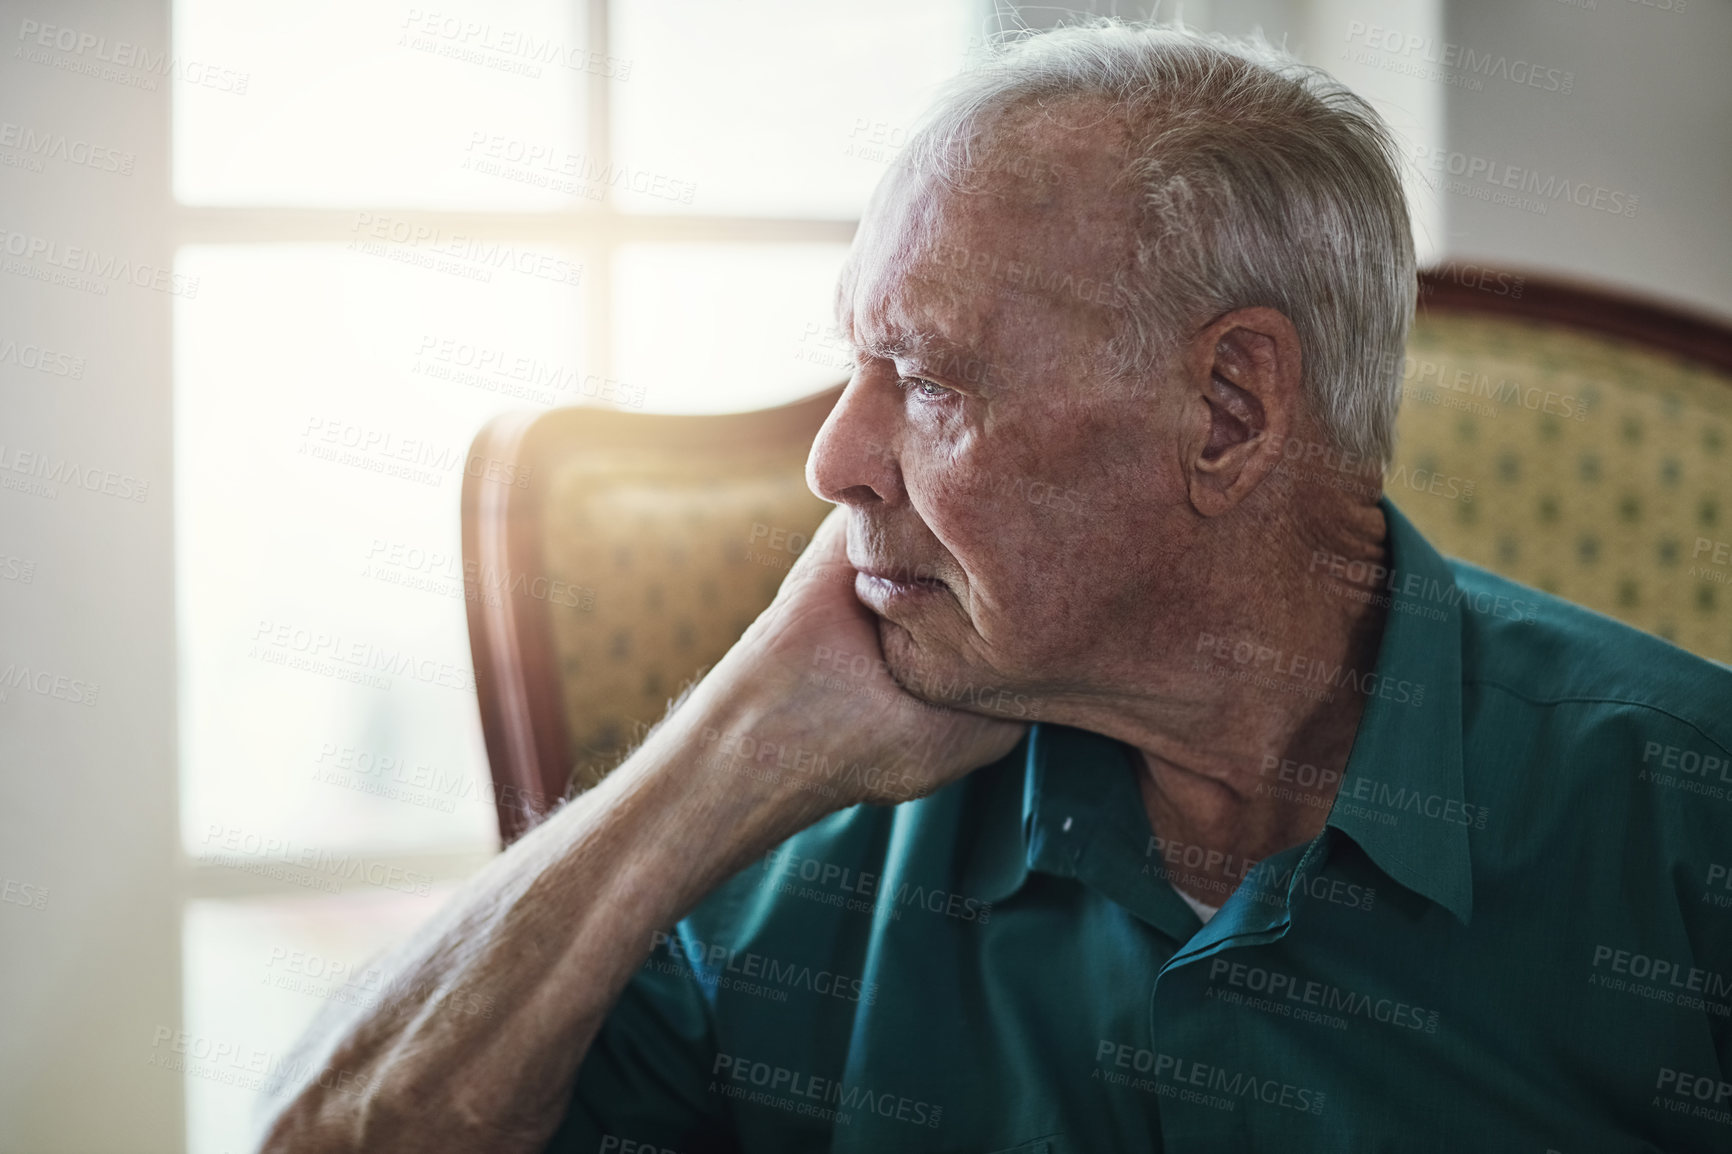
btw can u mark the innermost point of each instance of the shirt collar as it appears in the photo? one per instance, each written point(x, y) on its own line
point(1401, 794)
point(1036, 817)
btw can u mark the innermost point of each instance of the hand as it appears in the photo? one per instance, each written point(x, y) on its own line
point(777, 702)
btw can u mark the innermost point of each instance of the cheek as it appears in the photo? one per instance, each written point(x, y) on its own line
point(1043, 525)
point(1020, 556)
point(998, 516)
point(967, 522)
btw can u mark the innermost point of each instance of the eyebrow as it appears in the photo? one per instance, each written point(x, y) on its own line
point(914, 346)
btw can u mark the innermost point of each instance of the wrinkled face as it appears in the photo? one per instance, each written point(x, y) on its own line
point(1018, 523)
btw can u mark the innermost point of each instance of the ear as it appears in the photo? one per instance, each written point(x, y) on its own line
point(1242, 374)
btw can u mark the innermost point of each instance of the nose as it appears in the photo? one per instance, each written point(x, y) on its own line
point(854, 459)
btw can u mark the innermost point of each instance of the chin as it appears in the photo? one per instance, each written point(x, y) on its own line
point(907, 659)
point(941, 678)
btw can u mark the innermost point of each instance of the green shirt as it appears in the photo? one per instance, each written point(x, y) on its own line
point(1515, 933)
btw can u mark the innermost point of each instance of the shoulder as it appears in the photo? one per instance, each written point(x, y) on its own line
point(1578, 704)
point(1552, 652)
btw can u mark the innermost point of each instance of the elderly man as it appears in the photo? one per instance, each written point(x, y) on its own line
point(1317, 842)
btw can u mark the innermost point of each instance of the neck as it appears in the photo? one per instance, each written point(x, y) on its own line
point(1245, 723)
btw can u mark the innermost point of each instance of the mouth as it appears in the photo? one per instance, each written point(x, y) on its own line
point(883, 588)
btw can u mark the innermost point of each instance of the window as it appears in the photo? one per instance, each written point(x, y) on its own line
point(394, 223)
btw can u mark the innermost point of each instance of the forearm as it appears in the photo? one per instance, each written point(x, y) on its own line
point(548, 936)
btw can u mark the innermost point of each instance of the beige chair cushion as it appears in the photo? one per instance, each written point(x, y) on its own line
point(679, 564)
point(1600, 470)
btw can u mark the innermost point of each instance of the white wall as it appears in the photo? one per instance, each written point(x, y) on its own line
point(1650, 116)
point(87, 792)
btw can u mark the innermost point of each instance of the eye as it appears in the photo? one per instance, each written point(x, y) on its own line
point(923, 388)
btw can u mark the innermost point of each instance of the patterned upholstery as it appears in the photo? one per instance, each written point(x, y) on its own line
point(677, 575)
point(1588, 467)
point(1597, 468)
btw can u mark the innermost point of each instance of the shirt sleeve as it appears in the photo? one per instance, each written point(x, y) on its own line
point(646, 1077)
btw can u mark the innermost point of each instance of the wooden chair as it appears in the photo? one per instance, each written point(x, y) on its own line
point(1573, 439)
point(609, 557)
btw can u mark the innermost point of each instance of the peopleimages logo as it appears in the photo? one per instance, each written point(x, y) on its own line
point(88, 269)
point(476, 258)
point(43, 474)
point(801, 1092)
point(1667, 980)
point(1286, 990)
point(1297, 667)
point(46, 683)
point(1471, 64)
point(233, 847)
point(713, 964)
point(29, 356)
point(1475, 171)
point(364, 662)
point(924, 684)
point(514, 374)
point(508, 49)
point(1021, 277)
point(1356, 575)
point(1700, 1095)
point(1482, 279)
point(92, 55)
point(17, 893)
point(548, 165)
point(1384, 800)
point(1217, 1086)
point(40, 144)
point(859, 890)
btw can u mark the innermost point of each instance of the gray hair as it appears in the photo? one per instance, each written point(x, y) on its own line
point(1260, 181)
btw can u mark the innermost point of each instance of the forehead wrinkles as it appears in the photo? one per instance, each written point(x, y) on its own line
point(894, 287)
point(1037, 233)
point(894, 219)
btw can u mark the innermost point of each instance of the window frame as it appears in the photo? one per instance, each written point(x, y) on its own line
point(590, 232)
